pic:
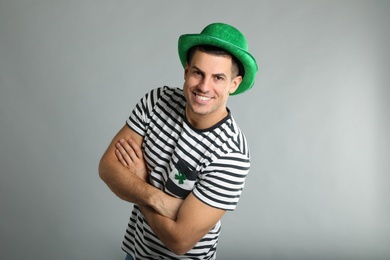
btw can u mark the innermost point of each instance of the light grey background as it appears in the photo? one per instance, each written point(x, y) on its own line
point(317, 121)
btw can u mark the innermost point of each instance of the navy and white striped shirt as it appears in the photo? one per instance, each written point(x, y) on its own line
point(211, 163)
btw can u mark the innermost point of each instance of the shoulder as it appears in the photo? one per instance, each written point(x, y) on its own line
point(235, 140)
point(164, 93)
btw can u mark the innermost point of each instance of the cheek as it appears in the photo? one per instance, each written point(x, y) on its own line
point(190, 82)
point(186, 89)
point(222, 91)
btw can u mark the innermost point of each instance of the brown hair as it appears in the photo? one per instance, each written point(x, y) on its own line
point(237, 67)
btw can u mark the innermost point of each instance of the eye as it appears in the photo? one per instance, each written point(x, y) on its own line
point(219, 78)
point(197, 73)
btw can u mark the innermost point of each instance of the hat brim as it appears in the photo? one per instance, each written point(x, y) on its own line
point(248, 61)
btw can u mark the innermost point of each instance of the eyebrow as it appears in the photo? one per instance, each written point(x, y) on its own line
point(215, 75)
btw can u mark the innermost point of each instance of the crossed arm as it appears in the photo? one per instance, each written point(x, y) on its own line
point(178, 224)
point(128, 181)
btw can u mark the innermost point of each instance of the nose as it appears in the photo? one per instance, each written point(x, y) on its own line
point(204, 84)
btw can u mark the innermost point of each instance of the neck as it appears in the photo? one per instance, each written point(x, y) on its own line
point(202, 122)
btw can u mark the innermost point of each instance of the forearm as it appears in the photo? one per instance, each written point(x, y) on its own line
point(169, 231)
point(129, 187)
point(194, 220)
point(125, 184)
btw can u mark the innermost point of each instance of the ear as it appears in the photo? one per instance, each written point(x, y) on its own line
point(234, 84)
point(185, 70)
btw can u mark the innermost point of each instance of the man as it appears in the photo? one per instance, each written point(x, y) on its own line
point(181, 158)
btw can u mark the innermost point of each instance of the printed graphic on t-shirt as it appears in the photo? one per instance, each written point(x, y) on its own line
point(181, 180)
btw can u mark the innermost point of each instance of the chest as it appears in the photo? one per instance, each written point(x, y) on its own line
point(177, 155)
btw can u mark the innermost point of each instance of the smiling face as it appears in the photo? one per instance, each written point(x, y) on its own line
point(208, 83)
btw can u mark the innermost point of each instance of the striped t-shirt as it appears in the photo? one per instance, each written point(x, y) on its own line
point(211, 163)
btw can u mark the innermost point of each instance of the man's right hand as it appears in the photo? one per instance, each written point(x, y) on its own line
point(168, 206)
point(130, 155)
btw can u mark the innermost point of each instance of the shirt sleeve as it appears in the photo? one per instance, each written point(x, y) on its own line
point(141, 114)
point(220, 185)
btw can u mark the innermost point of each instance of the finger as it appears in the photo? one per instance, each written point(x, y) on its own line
point(130, 151)
point(125, 152)
point(137, 150)
point(121, 153)
point(120, 158)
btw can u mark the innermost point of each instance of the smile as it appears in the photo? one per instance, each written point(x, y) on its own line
point(203, 98)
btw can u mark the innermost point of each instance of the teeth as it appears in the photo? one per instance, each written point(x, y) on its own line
point(202, 97)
